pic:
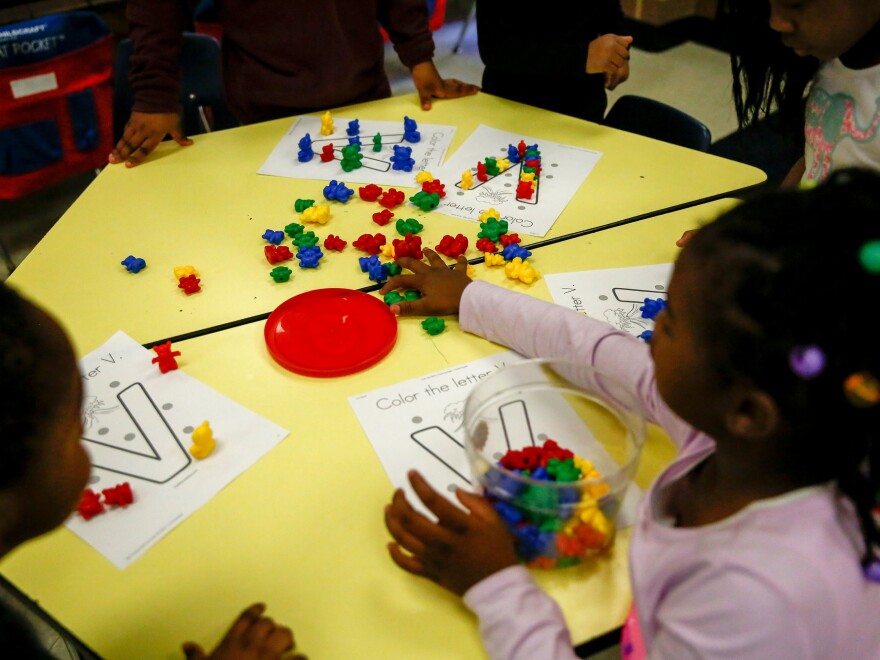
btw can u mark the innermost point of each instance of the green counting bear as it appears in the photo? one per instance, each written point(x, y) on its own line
point(433, 325)
point(301, 205)
point(294, 229)
point(280, 273)
point(409, 226)
point(425, 200)
point(306, 239)
point(492, 229)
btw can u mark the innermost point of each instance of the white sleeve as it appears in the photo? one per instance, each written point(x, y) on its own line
point(518, 621)
point(536, 328)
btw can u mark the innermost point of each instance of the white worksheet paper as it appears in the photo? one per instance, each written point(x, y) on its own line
point(564, 169)
point(419, 424)
point(137, 424)
point(614, 295)
point(428, 152)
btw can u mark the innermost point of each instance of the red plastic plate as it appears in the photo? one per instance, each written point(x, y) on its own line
point(330, 332)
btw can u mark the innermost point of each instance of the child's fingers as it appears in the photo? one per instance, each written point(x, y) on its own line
point(478, 505)
point(395, 526)
point(246, 619)
point(260, 631)
point(447, 513)
point(414, 525)
point(280, 640)
point(414, 265)
point(400, 282)
point(192, 651)
point(407, 562)
point(433, 258)
point(410, 308)
point(461, 264)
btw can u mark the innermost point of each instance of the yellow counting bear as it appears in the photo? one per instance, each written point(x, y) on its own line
point(326, 123)
point(421, 177)
point(517, 269)
point(183, 271)
point(317, 214)
point(489, 213)
point(493, 259)
point(203, 441)
point(467, 180)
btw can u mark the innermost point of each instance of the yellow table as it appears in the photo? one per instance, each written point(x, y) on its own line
point(302, 529)
point(205, 205)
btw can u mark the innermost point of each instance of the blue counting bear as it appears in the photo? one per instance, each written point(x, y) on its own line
point(354, 127)
point(509, 513)
point(133, 264)
point(305, 149)
point(530, 541)
point(376, 271)
point(514, 250)
point(356, 139)
point(503, 485)
point(402, 159)
point(274, 237)
point(309, 256)
point(410, 130)
point(338, 191)
point(646, 335)
point(512, 154)
point(652, 307)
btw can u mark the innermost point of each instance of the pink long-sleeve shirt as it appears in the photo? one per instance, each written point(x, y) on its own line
point(780, 579)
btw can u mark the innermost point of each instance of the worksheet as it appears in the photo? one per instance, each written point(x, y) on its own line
point(563, 169)
point(137, 427)
point(419, 424)
point(376, 166)
point(614, 294)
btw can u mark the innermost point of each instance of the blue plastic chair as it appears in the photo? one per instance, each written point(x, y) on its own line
point(653, 119)
point(201, 87)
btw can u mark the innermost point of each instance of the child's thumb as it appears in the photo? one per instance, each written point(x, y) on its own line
point(193, 651)
point(406, 308)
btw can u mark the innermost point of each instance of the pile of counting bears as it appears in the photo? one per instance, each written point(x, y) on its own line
point(189, 284)
point(370, 244)
point(376, 270)
point(309, 257)
point(301, 205)
point(305, 153)
point(452, 247)
point(383, 217)
point(408, 226)
point(433, 325)
point(277, 253)
point(410, 132)
point(369, 193)
point(517, 269)
point(515, 250)
point(408, 246)
point(334, 243)
point(326, 123)
point(426, 201)
point(552, 525)
point(317, 214)
point(327, 153)
point(280, 273)
point(652, 307)
point(402, 159)
point(133, 264)
point(274, 237)
point(337, 190)
point(392, 198)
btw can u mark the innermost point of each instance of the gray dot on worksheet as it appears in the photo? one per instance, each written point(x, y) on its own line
point(416, 420)
point(542, 437)
point(497, 455)
point(167, 406)
point(114, 383)
point(460, 193)
point(503, 150)
point(554, 164)
point(508, 173)
point(603, 297)
point(508, 185)
point(103, 430)
point(521, 208)
point(129, 436)
point(659, 287)
point(94, 479)
point(549, 176)
point(188, 429)
point(451, 488)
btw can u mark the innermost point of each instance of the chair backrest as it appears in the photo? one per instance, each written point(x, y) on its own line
point(201, 87)
point(653, 119)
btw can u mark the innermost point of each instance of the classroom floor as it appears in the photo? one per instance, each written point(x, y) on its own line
point(690, 77)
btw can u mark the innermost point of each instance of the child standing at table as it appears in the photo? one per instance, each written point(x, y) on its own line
point(44, 468)
point(779, 47)
point(760, 540)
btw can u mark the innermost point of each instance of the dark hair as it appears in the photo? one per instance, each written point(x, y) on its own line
point(767, 74)
point(782, 273)
point(22, 399)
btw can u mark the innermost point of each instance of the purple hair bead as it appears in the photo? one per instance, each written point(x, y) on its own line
point(807, 361)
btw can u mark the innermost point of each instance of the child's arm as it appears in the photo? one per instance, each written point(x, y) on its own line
point(251, 637)
point(471, 554)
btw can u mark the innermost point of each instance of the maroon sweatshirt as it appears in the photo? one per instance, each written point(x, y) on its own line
point(280, 57)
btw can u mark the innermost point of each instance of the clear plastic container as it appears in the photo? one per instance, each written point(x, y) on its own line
point(556, 523)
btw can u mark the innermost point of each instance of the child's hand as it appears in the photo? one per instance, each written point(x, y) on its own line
point(685, 237)
point(251, 637)
point(609, 54)
point(441, 287)
point(457, 551)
